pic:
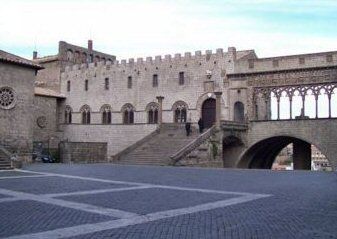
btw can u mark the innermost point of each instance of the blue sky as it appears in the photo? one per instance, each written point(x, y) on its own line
point(141, 28)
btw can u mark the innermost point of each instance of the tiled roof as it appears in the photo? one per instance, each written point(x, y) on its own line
point(10, 58)
point(47, 92)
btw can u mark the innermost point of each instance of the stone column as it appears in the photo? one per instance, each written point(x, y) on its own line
point(160, 110)
point(302, 155)
point(218, 108)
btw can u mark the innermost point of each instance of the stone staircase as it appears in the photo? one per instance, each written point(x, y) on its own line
point(5, 162)
point(158, 149)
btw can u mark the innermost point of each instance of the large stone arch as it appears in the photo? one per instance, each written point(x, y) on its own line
point(318, 132)
point(263, 153)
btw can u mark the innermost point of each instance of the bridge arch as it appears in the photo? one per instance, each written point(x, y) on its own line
point(263, 153)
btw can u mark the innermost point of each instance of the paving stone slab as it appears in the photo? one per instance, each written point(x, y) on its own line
point(23, 217)
point(47, 185)
point(149, 200)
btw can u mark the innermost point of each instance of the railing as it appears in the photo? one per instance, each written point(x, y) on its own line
point(6, 152)
point(234, 125)
point(180, 154)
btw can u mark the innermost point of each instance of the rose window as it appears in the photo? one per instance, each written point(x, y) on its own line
point(7, 98)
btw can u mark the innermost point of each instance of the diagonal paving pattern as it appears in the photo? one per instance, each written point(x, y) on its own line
point(124, 218)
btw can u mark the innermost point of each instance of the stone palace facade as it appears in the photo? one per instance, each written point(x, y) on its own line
point(90, 102)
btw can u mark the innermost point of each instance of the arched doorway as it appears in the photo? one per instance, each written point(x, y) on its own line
point(239, 112)
point(208, 112)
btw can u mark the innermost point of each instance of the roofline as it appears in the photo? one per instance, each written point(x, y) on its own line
point(51, 96)
point(32, 66)
point(296, 55)
point(242, 74)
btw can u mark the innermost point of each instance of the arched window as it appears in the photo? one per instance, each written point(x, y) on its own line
point(106, 114)
point(70, 55)
point(180, 111)
point(67, 115)
point(84, 57)
point(97, 59)
point(85, 111)
point(77, 57)
point(152, 112)
point(128, 114)
point(239, 112)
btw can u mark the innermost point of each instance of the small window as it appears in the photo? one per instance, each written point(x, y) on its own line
point(155, 81)
point(67, 115)
point(301, 60)
point(251, 63)
point(86, 85)
point(106, 83)
point(129, 82)
point(68, 85)
point(181, 78)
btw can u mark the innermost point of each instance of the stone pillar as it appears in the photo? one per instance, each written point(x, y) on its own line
point(218, 108)
point(302, 155)
point(160, 110)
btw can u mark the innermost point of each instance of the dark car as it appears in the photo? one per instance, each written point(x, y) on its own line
point(47, 158)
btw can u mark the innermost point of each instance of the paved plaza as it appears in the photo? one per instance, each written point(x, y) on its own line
point(110, 201)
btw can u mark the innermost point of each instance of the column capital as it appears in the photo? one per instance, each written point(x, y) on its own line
point(218, 93)
point(160, 98)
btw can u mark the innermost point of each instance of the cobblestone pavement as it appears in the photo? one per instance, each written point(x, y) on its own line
point(114, 201)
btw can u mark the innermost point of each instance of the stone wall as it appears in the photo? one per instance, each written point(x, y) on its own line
point(45, 124)
point(50, 76)
point(193, 92)
point(83, 152)
point(286, 62)
point(16, 130)
point(118, 137)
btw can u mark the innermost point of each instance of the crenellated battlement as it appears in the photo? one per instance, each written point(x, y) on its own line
point(166, 60)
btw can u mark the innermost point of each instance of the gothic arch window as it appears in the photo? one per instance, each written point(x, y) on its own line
point(85, 112)
point(152, 113)
point(180, 111)
point(77, 57)
point(70, 55)
point(84, 57)
point(68, 115)
point(97, 59)
point(128, 114)
point(106, 114)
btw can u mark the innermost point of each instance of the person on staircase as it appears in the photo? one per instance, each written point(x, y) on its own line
point(201, 125)
point(188, 127)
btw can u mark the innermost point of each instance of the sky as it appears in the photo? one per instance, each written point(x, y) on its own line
point(141, 28)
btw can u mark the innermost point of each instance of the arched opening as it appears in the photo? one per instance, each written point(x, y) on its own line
point(180, 112)
point(296, 153)
point(208, 112)
point(85, 111)
point(239, 112)
point(152, 113)
point(106, 114)
point(128, 114)
point(68, 115)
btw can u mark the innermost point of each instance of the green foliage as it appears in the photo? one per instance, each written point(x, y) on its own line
point(214, 149)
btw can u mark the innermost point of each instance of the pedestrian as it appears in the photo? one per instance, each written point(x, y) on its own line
point(188, 127)
point(201, 125)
